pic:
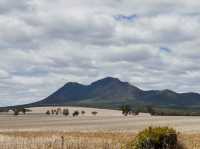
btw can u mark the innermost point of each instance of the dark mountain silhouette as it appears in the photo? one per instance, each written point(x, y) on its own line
point(112, 93)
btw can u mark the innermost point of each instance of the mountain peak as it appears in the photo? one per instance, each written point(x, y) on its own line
point(106, 80)
point(112, 92)
point(167, 91)
point(73, 84)
point(110, 79)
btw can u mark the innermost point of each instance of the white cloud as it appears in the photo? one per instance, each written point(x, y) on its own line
point(44, 44)
point(3, 74)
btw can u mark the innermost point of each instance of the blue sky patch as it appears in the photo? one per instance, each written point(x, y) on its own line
point(165, 49)
point(121, 17)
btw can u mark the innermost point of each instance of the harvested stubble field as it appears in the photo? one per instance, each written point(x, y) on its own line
point(107, 130)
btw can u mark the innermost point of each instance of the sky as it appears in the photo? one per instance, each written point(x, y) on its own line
point(44, 44)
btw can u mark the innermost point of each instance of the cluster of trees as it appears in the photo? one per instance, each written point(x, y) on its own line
point(17, 111)
point(75, 113)
point(66, 112)
point(54, 111)
point(169, 112)
point(127, 110)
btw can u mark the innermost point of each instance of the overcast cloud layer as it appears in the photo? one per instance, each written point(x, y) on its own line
point(153, 44)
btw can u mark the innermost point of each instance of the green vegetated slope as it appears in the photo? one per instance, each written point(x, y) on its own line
point(112, 93)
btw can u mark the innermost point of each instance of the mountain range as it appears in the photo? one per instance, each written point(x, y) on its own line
point(113, 93)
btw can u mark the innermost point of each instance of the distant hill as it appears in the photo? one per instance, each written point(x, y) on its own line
point(113, 93)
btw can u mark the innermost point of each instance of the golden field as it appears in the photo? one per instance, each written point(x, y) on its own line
point(78, 140)
point(104, 121)
point(109, 129)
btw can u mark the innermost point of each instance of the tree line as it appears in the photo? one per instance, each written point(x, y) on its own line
point(128, 110)
point(66, 112)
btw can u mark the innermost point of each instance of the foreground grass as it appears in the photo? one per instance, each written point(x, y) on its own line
point(76, 140)
point(52, 140)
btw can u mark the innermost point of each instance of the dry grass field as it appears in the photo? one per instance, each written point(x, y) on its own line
point(107, 130)
point(75, 140)
point(78, 140)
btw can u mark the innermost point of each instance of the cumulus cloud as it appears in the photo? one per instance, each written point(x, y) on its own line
point(44, 44)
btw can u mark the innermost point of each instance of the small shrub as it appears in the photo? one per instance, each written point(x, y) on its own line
point(16, 112)
point(23, 111)
point(155, 138)
point(82, 112)
point(65, 112)
point(48, 112)
point(150, 110)
point(52, 111)
point(137, 112)
point(126, 109)
point(94, 113)
point(76, 113)
point(59, 110)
